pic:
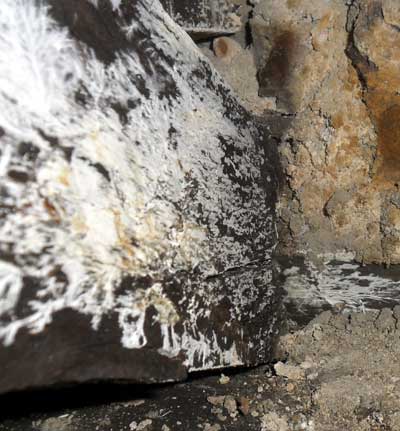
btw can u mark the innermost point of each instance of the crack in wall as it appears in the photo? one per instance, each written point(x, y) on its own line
point(359, 62)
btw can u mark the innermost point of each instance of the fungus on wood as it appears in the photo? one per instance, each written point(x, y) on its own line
point(138, 202)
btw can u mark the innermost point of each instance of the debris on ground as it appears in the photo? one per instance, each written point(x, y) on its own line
point(345, 378)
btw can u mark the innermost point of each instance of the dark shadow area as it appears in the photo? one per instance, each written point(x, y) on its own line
point(58, 399)
point(103, 407)
point(18, 405)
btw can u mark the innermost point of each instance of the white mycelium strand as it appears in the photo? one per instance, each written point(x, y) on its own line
point(38, 69)
point(346, 283)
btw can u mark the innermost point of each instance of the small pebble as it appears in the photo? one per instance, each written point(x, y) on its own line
point(307, 364)
point(290, 371)
point(290, 387)
point(225, 48)
point(216, 400)
point(312, 376)
point(223, 380)
point(230, 404)
point(244, 406)
point(339, 307)
point(215, 427)
point(144, 425)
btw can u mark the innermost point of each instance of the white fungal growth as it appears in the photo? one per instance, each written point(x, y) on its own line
point(110, 210)
point(10, 287)
point(38, 68)
point(206, 353)
point(115, 3)
point(347, 283)
point(132, 313)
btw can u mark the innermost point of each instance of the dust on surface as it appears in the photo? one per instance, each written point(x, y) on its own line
point(340, 372)
point(351, 369)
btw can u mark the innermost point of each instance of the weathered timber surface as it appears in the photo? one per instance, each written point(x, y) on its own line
point(137, 201)
point(204, 18)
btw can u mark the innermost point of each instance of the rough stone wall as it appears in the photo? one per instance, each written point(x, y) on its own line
point(333, 69)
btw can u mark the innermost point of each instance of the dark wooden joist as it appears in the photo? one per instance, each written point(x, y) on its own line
point(137, 222)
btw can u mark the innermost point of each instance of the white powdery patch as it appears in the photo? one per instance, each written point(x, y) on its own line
point(98, 228)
